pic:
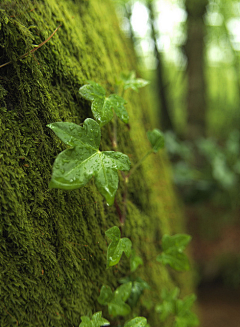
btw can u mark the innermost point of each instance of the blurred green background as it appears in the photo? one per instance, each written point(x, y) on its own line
point(190, 51)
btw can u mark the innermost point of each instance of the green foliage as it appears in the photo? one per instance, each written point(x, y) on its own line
point(97, 320)
point(101, 105)
point(73, 168)
point(180, 308)
point(156, 139)
point(138, 286)
point(137, 322)
point(129, 80)
point(117, 246)
point(172, 247)
point(184, 317)
point(116, 300)
point(135, 261)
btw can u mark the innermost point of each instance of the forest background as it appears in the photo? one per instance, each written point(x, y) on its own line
point(190, 50)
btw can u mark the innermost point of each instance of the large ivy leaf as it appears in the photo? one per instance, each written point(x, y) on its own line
point(116, 301)
point(73, 168)
point(135, 261)
point(129, 80)
point(117, 246)
point(156, 139)
point(97, 321)
point(172, 251)
point(101, 105)
point(137, 322)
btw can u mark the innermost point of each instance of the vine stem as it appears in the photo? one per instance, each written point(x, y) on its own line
point(34, 49)
point(139, 163)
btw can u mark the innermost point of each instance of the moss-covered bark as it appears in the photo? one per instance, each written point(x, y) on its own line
point(53, 247)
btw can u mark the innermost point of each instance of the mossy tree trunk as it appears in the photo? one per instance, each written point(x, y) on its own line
point(53, 247)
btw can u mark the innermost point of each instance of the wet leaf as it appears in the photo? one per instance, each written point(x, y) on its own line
point(116, 301)
point(73, 168)
point(173, 246)
point(97, 321)
point(130, 81)
point(156, 139)
point(101, 105)
point(117, 246)
point(137, 322)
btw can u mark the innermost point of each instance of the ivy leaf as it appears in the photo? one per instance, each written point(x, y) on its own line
point(138, 286)
point(73, 168)
point(156, 139)
point(101, 105)
point(137, 322)
point(176, 260)
point(135, 261)
point(172, 251)
point(130, 81)
point(116, 301)
point(184, 317)
point(97, 321)
point(177, 242)
point(168, 306)
point(117, 246)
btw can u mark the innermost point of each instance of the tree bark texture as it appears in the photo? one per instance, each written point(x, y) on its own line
point(53, 246)
point(196, 102)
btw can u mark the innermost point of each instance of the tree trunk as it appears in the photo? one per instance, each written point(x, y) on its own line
point(196, 102)
point(166, 122)
point(53, 247)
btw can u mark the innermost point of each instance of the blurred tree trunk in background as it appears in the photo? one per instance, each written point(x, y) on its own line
point(165, 119)
point(196, 102)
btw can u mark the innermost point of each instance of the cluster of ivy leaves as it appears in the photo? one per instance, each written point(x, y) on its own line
point(75, 166)
point(132, 288)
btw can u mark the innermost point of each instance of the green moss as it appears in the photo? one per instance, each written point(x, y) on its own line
point(53, 247)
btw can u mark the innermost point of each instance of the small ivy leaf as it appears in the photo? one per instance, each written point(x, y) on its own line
point(167, 307)
point(118, 106)
point(137, 322)
point(172, 251)
point(117, 246)
point(177, 242)
point(73, 168)
point(156, 139)
point(97, 321)
point(130, 81)
point(135, 261)
point(106, 295)
point(176, 260)
point(138, 286)
point(116, 301)
point(184, 317)
point(102, 106)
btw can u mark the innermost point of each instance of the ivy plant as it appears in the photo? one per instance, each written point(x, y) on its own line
point(117, 246)
point(129, 80)
point(74, 167)
point(116, 300)
point(97, 320)
point(138, 286)
point(173, 247)
point(137, 322)
point(135, 261)
point(102, 107)
point(179, 308)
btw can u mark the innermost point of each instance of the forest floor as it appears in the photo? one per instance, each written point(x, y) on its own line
point(219, 306)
